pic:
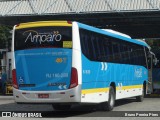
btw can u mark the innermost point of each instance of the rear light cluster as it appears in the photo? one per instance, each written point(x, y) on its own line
point(69, 22)
point(17, 25)
point(14, 79)
point(74, 78)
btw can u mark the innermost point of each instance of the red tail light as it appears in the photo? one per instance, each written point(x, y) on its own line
point(14, 79)
point(69, 22)
point(74, 78)
point(17, 25)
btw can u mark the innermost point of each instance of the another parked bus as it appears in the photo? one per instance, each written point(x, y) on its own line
point(155, 47)
point(64, 63)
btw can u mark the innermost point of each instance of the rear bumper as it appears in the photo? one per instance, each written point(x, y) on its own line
point(64, 96)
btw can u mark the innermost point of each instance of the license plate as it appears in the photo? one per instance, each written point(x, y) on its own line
point(43, 95)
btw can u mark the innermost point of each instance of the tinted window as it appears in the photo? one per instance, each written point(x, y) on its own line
point(29, 38)
point(99, 47)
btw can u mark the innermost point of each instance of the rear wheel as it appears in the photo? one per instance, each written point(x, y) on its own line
point(141, 97)
point(109, 105)
point(61, 107)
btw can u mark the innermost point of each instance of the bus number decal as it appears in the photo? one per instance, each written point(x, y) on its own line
point(60, 60)
point(87, 72)
point(56, 75)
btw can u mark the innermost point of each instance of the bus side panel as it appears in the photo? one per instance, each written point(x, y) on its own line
point(94, 82)
point(97, 77)
point(131, 81)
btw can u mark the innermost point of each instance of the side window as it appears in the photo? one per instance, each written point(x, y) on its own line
point(124, 53)
point(92, 53)
point(132, 54)
point(128, 54)
point(98, 47)
point(140, 56)
point(134, 57)
point(108, 50)
point(102, 52)
point(84, 43)
point(89, 44)
point(115, 51)
point(148, 55)
point(144, 62)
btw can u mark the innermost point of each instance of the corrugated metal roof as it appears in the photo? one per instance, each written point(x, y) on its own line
point(32, 7)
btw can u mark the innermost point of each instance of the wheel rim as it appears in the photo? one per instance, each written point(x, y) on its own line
point(112, 100)
point(143, 91)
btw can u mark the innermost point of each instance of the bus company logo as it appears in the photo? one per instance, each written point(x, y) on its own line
point(59, 60)
point(45, 37)
point(138, 72)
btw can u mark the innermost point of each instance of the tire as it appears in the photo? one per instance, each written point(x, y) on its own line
point(61, 107)
point(141, 97)
point(144, 88)
point(109, 105)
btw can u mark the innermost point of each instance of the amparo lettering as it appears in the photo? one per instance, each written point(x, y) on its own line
point(35, 37)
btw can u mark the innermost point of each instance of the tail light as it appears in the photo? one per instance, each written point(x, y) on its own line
point(74, 78)
point(14, 79)
point(69, 22)
point(17, 25)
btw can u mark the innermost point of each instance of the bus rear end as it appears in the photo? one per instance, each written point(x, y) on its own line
point(43, 69)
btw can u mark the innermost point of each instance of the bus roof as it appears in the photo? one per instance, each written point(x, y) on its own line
point(90, 28)
point(116, 32)
point(68, 23)
point(42, 23)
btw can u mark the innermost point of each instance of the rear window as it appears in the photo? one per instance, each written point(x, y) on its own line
point(43, 37)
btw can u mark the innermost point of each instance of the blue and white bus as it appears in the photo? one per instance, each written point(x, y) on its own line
point(64, 63)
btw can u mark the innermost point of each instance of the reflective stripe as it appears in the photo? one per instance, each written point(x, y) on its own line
point(96, 90)
point(129, 87)
point(88, 91)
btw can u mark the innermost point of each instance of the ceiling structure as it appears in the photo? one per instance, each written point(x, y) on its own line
point(137, 18)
